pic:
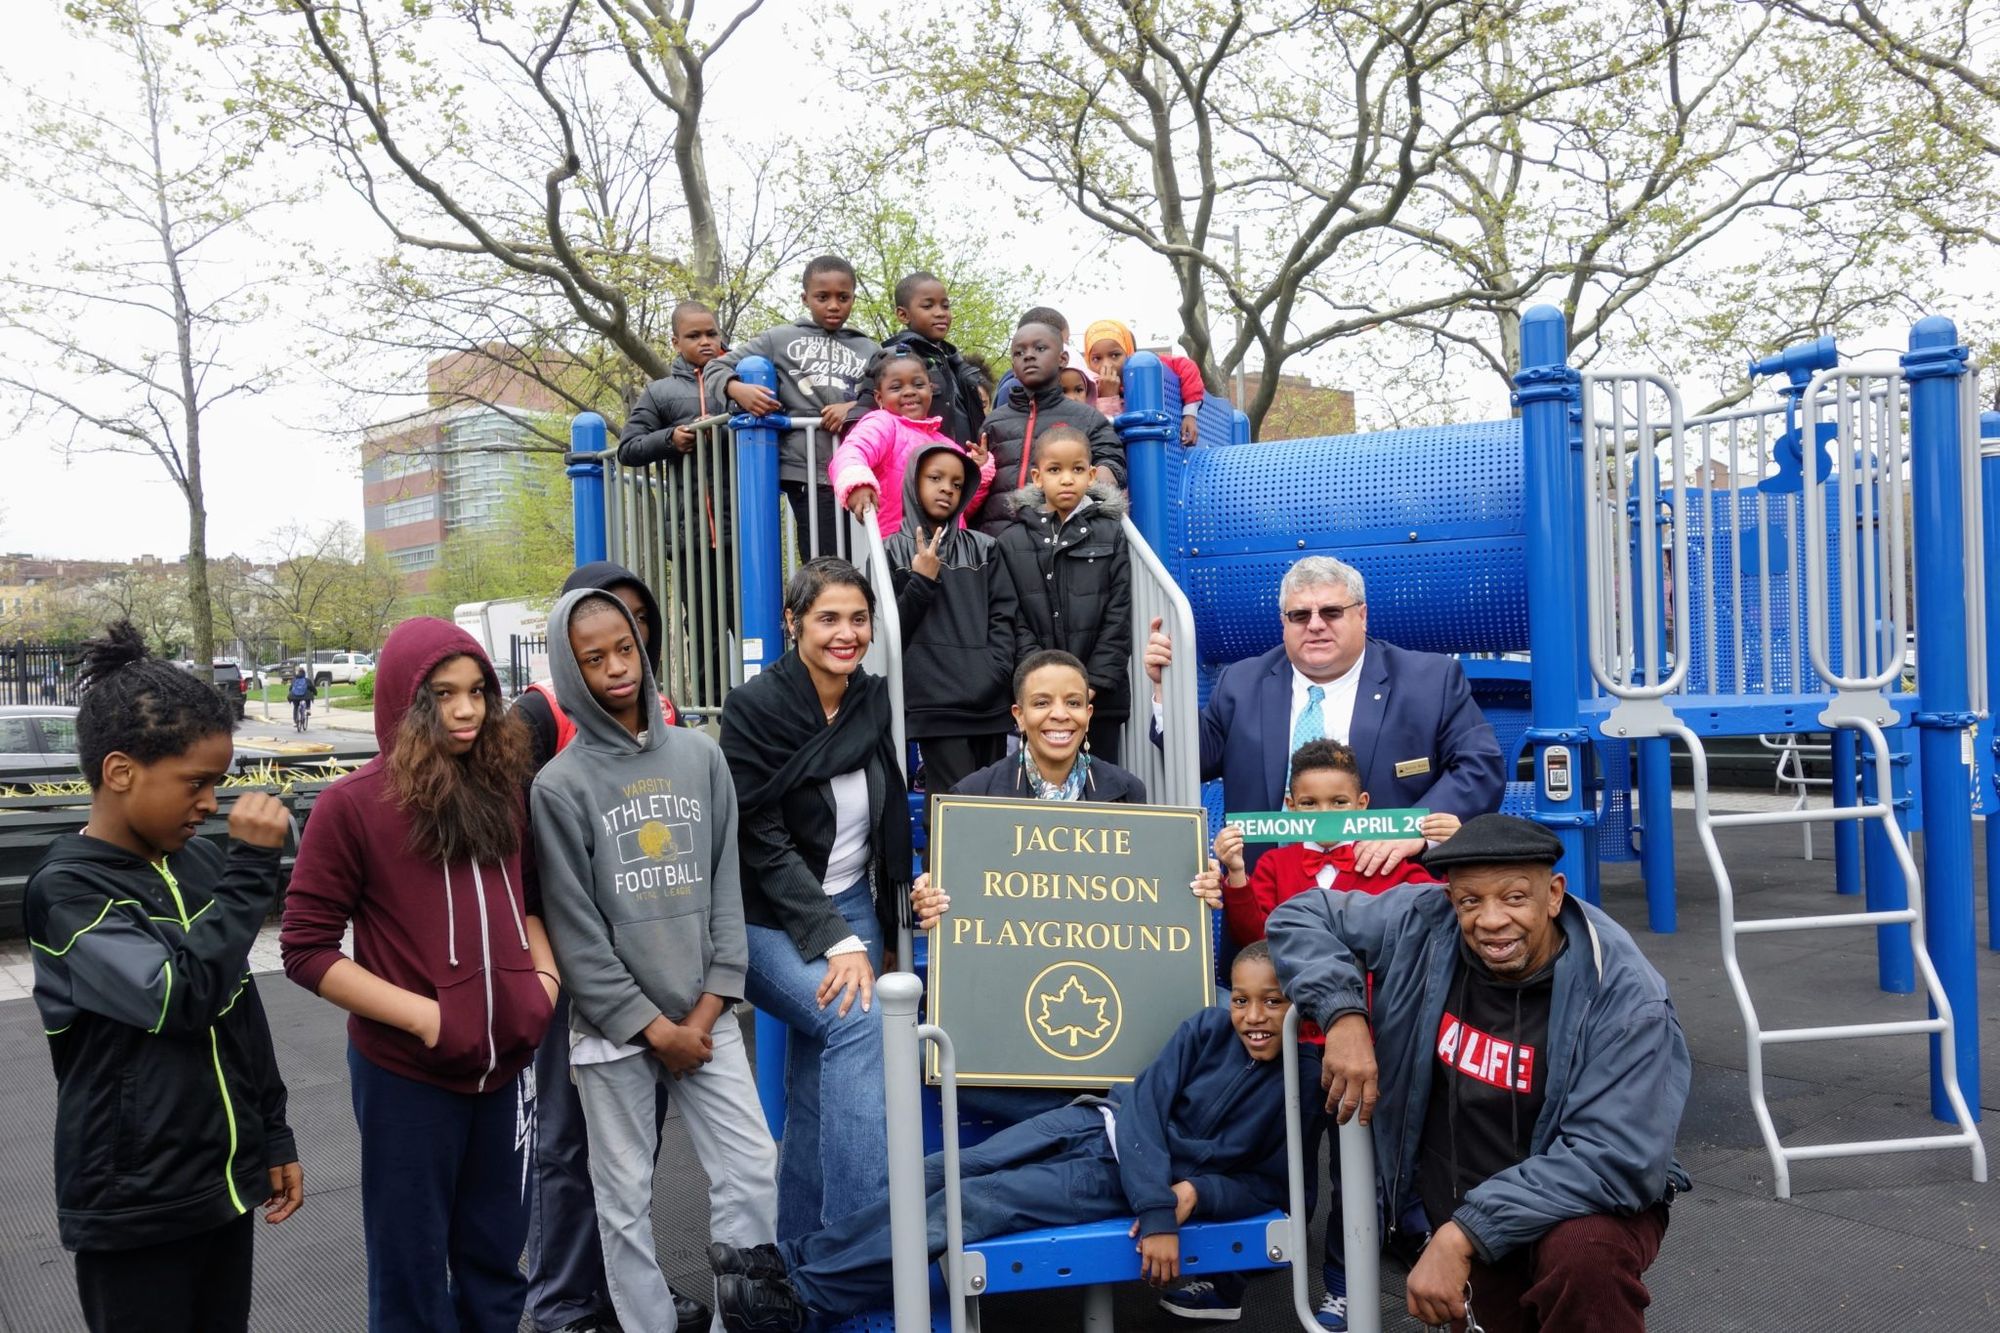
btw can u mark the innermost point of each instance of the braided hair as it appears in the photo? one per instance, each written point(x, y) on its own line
point(137, 704)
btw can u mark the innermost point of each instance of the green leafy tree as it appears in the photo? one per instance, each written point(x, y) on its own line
point(888, 241)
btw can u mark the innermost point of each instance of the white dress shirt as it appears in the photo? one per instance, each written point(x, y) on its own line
point(1336, 710)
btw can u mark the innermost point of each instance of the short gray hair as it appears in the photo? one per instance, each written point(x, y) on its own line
point(1320, 571)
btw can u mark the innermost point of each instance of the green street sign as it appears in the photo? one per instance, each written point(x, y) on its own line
point(1327, 827)
point(1074, 946)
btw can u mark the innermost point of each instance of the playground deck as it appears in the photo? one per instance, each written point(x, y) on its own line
point(1903, 1242)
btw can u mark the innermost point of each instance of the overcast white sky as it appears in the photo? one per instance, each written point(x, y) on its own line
point(291, 455)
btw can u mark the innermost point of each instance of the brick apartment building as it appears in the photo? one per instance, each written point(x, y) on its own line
point(451, 467)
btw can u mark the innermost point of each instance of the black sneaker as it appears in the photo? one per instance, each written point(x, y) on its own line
point(691, 1315)
point(753, 1261)
point(753, 1306)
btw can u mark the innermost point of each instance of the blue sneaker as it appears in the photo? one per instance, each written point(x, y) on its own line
point(1332, 1311)
point(1206, 1299)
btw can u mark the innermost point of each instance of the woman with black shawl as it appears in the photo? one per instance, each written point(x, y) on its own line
point(825, 841)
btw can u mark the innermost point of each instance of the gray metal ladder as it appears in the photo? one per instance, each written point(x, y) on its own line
point(1626, 541)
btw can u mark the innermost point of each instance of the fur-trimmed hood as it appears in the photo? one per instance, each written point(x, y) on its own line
point(1104, 498)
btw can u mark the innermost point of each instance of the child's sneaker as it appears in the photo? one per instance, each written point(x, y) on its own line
point(1203, 1299)
point(1332, 1312)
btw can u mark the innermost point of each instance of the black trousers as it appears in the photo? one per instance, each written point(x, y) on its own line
point(950, 760)
point(829, 518)
point(1107, 734)
point(197, 1284)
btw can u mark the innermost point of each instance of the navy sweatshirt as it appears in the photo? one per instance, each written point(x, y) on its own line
point(1203, 1111)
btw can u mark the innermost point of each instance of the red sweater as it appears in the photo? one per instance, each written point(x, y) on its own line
point(1286, 872)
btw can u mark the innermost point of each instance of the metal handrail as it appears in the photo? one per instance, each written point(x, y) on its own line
point(1755, 1037)
point(885, 653)
point(1610, 515)
point(1870, 567)
point(1171, 772)
point(1358, 1215)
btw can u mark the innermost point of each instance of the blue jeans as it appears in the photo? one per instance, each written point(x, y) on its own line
point(1053, 1171)
point(444, 1208)
point(835, 1153)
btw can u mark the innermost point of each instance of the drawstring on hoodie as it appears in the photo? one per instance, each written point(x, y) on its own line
point(520, 926)
point(450, 920)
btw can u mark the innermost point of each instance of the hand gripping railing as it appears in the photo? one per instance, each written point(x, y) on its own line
point(1172, 771)
point(1359, 1215)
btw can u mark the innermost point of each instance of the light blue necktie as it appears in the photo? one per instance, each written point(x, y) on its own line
point(1311, 726)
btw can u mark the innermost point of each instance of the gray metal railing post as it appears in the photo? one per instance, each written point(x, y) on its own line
point(1358, 1216)
point(899, 994)
point(1172, 772)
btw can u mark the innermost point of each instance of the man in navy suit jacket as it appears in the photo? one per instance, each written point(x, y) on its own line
point(1409, 716)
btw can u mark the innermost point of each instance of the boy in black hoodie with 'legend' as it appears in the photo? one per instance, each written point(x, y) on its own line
point(170, 1113)
point(958, 609)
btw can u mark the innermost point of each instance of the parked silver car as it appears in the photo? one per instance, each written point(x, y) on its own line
point(36, 736)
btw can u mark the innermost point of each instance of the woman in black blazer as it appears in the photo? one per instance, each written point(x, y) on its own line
point(825, 842)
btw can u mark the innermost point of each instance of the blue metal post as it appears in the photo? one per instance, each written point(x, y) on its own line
point(1935, 367)
point(586, 485)
point(1653, 759)
point(1546, 391)
point(1147, 430)
point(760, 541)
point(1989, 481)
point(1239, 427)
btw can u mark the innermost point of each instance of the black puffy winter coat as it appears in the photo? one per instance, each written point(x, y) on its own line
point(1074, 581)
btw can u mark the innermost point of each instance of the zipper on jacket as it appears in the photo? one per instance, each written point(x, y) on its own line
point(214, 1048)
point(485, 974)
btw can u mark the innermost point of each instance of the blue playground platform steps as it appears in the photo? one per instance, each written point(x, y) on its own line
point(1891, 1242)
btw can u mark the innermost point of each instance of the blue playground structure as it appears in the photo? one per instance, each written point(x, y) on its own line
point(1618, 578)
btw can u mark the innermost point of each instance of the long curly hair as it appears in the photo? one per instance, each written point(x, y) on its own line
point(462, 807)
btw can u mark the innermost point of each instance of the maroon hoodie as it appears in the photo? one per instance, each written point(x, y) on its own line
point(455, 932)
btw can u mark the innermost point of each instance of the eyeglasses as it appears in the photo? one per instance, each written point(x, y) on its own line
point(1303, 615)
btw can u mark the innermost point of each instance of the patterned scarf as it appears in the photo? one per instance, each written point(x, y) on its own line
point(1069, 789)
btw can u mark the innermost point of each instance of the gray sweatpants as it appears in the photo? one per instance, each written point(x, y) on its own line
point(725, 1121)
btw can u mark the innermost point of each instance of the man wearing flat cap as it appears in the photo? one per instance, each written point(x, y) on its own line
point(1525, 1078)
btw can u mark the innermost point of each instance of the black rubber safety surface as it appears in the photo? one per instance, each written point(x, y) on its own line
point(1902, 1242)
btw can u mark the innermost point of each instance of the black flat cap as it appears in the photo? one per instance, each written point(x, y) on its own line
point(1491, 840)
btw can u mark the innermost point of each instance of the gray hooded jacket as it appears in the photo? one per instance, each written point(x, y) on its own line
point(816, 368)
point(636, 843)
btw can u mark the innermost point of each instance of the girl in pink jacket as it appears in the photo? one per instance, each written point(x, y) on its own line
point(868, 466)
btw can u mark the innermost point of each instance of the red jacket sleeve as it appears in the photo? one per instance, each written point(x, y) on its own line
point(326, 885)
point(1189, 374)
point(1272, 880)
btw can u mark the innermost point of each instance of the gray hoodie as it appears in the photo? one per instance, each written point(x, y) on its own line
point(636, 843)
point(816, 368)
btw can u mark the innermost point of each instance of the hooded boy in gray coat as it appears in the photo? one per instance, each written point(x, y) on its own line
point(634, 826)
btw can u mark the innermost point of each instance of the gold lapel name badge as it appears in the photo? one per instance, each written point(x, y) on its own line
point(1409, 768)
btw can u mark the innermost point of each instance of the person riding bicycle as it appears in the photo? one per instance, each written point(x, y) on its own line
point(301, 692)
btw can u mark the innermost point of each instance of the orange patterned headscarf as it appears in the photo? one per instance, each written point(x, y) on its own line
point(1108, 328)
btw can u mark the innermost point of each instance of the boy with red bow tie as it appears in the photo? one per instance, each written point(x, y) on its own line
point(1325, 776)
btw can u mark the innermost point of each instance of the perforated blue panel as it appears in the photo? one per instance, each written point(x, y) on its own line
point(1431, 517)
